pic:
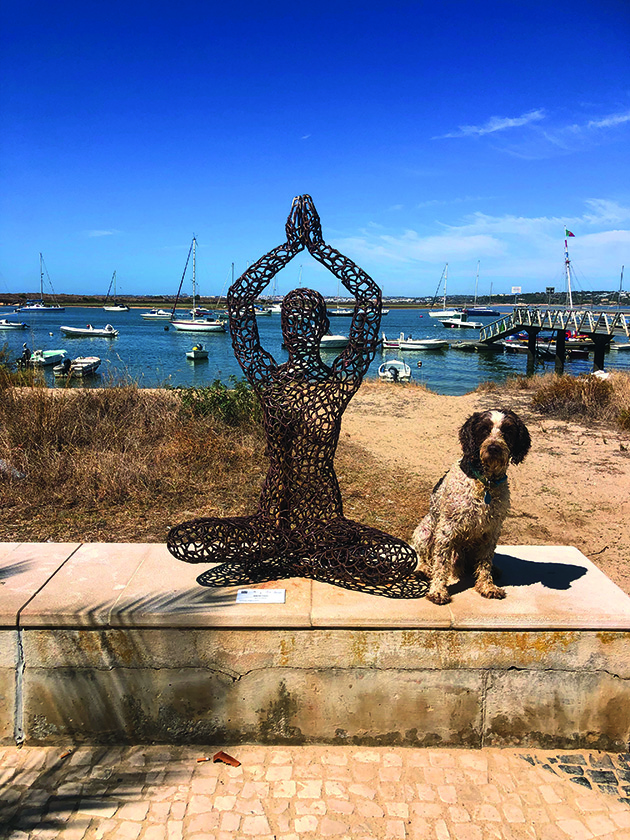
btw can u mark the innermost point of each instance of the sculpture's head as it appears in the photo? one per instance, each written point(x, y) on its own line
point(304, 320)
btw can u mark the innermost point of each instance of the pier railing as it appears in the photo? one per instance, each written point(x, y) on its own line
point(577, 320)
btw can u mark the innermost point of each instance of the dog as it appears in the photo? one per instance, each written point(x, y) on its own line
point(467, 507)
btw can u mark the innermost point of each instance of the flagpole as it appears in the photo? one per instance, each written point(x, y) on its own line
point(567, 265)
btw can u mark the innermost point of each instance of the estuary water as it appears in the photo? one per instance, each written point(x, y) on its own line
point(152, 356)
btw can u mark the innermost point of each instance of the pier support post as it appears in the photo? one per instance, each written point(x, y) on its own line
point(602, 344)
point(561, 351)
point(531, 351)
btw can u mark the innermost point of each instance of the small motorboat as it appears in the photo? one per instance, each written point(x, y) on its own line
point(198, 352)
point(90, 332)
point(80, 367)
point(410, 343)
point(5, 324)
point(460, 321)
point(341, 312)
point(200, 325)
point(156, 315)
point(333, 342)
point(394, 370)
point(44, 358)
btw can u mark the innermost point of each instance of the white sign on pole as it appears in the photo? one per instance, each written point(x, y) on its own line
point(516, 290)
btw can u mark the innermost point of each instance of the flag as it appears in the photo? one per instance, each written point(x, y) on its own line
point(568, 233)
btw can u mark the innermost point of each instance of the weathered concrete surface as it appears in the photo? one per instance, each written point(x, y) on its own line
point(137, 652)
point(8, 663)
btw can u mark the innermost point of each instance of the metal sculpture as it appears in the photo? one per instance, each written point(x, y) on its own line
point(299, 528)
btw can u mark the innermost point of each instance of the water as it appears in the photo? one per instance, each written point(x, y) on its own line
point(154, 357)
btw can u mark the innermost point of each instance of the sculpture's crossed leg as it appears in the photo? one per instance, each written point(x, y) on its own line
point(345, 548)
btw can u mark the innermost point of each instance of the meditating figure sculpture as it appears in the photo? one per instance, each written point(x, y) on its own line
point(299, 523)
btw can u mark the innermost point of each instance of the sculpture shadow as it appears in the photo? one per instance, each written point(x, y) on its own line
point(233, 574)
point(17, 568)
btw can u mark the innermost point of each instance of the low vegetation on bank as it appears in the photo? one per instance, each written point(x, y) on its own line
point(124, 464)
point(583, 398)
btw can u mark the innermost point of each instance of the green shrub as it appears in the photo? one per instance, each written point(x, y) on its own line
point(235, 406)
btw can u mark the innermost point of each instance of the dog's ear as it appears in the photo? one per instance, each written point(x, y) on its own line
point(516, 434)
point(467, 437)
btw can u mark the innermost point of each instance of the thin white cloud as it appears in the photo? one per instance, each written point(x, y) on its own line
point(305, 136)
point(495, 124)
point(511, 248)
point(92, 233)
point(610, 121)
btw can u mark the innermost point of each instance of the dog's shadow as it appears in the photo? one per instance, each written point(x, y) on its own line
point(514, 571)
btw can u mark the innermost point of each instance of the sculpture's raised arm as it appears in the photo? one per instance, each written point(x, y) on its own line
point(364, 330)
point(240, 303)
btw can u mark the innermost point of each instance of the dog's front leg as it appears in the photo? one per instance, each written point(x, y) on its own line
point(484, 584)
point(444, 557)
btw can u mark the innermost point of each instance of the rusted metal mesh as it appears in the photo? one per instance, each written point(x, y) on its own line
point(299, 528)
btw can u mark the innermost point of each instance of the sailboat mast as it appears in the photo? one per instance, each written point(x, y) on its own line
point(41, 277)
point(477, 282)
point(445, 279)
point(567, 265)
point(194, 272)
point(620, 288)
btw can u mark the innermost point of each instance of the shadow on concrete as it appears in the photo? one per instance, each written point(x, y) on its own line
point(518, 572)
point(17, 568)
point(66, 795)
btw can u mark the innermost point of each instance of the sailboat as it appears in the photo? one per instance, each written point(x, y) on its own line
point(194, 324)
point(479, 310)
point(39, 305)
point(115, 306)
point(444, 312)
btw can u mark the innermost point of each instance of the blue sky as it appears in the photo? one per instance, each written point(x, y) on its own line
point(426, 132)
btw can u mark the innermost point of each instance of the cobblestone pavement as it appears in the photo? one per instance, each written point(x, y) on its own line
point(297, 793)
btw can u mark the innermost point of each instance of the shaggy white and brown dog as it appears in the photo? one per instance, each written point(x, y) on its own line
point(459, 534)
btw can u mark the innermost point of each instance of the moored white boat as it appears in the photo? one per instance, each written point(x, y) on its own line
point(79, 367)
point(410, 343)
point(194, 324)
point(460, 321)
point(394, 370)
point(115, 306)
point(199, 325)
point(156, 315)
point(89, 331)
point(5, 324)
point(444, 312)
point(43, 358)
point(39, 305)
point(333, 342)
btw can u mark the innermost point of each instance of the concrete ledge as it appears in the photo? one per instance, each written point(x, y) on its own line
point(116, 643)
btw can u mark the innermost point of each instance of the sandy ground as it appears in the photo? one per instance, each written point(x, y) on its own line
point(572, 489)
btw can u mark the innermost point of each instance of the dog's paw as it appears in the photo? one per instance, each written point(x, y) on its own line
point(491, 591)
point(439, 596)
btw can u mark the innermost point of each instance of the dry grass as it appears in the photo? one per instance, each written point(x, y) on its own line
point(123, 464)
point(586, 397)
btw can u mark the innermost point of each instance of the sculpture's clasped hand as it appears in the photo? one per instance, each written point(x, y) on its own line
point(303, 226)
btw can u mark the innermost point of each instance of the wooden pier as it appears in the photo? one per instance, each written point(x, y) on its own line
point(600, 327)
